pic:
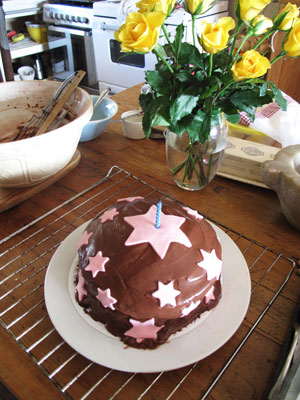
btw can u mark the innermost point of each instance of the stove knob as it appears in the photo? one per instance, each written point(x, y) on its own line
point(85, 20)
point(73, 18)
point(78, 19)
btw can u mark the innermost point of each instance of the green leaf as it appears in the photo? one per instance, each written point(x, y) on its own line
point(178, 40)
point(156, 112)
point(159, 80)
point(190, 55)
point(182, 105)
point(278, 96)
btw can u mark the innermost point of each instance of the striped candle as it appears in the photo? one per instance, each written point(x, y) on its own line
point(158, 212)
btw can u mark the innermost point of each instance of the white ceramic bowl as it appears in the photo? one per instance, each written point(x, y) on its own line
point(30, 161)
point(132, 124)
point(102, 115)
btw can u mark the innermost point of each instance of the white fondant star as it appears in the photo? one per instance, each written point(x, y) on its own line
point(160, 239)
point(108, 215)
point(143, 330)
point(211, 263)
point(84, 239)
point(209, 295)
point(97, 264)
point(192, 212)
point(130, 199)
point(81, 291)
point(106, 298)
point(166, 294)
point(190, 308)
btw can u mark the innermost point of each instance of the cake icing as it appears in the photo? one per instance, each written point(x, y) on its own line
point(146, 282)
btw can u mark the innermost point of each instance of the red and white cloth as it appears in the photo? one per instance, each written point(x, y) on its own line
point(282, 126)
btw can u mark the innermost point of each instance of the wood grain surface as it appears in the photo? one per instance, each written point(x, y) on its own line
point(248, 210)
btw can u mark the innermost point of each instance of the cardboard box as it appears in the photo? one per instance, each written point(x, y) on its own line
point(242, 160)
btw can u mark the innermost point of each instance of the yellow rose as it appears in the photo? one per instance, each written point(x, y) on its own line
point(292, 44)
point(252, 65)
point(146, 5)
point(261, 24)
point(214, 37)
point(249, 9)
point(292, 13)
point(140, 31)
point(156, 5)
point(193, 5)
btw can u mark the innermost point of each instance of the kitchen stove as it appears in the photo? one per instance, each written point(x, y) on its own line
point(68, 15)
point(72, 26)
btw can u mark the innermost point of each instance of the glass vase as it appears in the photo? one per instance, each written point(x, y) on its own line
point(194, 165)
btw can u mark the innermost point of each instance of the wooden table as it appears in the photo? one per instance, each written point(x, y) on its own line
point(36, 363)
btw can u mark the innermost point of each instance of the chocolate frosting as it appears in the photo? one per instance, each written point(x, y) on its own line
point(132, 272)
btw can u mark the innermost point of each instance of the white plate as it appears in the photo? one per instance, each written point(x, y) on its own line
point(183, 350)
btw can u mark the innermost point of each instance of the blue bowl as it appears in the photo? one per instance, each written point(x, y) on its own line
point(102, 115)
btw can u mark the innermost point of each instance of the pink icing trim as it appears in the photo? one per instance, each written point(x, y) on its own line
point(211, 263)
point(193, 213)
point(84, 240)
point(209, 295)
point(130, 199)
point(161, 238)
point(97, 264)
point(105, 298)
point(81, 291)
point(166, 294)
point(143, 330)
point(108, 215)
point(190, 308)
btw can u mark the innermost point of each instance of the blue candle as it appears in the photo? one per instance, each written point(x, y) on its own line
point(158, 211)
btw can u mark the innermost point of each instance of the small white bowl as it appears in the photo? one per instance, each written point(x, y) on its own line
point(101, 117)
point(132, 124)
point(26, 73)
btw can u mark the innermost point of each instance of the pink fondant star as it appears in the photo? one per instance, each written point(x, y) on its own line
point(190, 308)
point(105, 298)
point(209, 295)
point(211, 263)
point(192, 212)
point(130, 199)
point(143, 330)
point(108, 215)
point(84, 239)
point(81, 291)
point(166, 294)
point(97, 264)
point(159, 238)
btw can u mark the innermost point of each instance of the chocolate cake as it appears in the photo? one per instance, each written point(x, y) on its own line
point(146, 274)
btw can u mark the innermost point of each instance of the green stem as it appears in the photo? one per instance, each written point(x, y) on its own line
point(241, 45)
point(280, 55)
point(164, 61)
point(224, 88)
point(239, 25)
point(271, 31)
point(167, 37)
point(194, 29)
point(210, 65)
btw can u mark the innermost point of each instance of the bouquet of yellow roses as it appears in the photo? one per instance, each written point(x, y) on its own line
point(194, 84)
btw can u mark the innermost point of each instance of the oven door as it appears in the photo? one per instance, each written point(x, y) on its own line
point(113, 69)
point(72, 50)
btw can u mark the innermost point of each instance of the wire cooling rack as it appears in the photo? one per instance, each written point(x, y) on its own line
point(24, 257)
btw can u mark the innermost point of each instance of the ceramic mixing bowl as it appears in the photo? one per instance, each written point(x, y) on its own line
point(101, 117)
point(30, 161)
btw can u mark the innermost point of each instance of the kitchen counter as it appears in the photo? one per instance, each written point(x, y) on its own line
point(37, 363)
